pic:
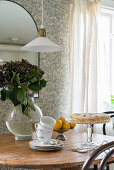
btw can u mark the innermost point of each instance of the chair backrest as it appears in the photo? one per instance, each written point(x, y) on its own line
point(105, 159)
point(97, 152)
point(104, 125)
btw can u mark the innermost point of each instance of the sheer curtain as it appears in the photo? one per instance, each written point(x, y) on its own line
point(90, 88)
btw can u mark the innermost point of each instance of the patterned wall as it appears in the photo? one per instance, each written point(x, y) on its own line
point(54, 99)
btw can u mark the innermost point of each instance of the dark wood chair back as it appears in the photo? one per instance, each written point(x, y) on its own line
point(97, 152)
point(104, 133)
point(105, 159)
point(104, 125)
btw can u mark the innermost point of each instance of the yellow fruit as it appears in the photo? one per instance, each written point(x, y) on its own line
point(72, 125)
point(58, 125)
point(62, 119)
point(66, 125)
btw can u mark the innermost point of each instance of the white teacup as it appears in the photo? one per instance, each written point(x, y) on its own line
point(47, 122)
point(43, 137)
point(40, 128)
point(44, 134)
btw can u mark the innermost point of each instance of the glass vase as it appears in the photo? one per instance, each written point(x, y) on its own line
point(20, 125)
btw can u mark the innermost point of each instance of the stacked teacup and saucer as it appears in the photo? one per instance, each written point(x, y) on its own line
point(42, 136)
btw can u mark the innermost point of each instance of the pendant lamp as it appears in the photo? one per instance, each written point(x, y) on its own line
point(42, 43)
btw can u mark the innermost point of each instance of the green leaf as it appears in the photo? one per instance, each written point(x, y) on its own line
point(14, 74)
point(34, 80)
point(31, 104)
point(43, 83)
point(34, 86)
point(3, 94)
point(11, 86)
point(23, 109)
point(24, 86)
point(34, 72)
point(17, 79)
point(12, 94)
point(21, 96)
point(26, 110)
point(28, 75)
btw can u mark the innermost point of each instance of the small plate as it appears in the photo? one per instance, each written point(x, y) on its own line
point(51, 146)
point(47, 149)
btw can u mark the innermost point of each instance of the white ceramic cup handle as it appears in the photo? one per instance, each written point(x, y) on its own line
point(34, 136)
point(36, 125)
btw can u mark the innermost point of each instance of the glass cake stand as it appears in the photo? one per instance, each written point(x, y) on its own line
point(89, 144)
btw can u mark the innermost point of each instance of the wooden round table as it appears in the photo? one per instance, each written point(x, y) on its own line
point(18, 154)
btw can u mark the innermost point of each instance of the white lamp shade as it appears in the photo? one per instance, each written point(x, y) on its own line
point(41, 44)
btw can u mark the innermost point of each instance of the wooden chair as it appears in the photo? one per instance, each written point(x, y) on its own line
point(104, 133)
point(104, 125)
point(97, 152)
point(104, 128)
point(105, 159)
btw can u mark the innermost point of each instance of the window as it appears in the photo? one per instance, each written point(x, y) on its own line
point(108, 35)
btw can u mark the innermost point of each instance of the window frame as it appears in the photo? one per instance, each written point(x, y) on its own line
point(110, 13)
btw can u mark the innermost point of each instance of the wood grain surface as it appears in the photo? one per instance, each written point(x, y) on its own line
point(19, 154)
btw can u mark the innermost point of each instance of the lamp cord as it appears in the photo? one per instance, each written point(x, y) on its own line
point(42, 15)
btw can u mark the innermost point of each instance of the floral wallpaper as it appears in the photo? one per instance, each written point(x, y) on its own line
point(54, 99)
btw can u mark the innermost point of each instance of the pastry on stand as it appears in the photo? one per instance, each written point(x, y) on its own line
point(89, 119)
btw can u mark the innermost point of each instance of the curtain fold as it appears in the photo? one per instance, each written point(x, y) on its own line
point(88, 66)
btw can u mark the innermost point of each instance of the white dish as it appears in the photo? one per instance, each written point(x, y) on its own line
point(47, 149)
point(53, 143)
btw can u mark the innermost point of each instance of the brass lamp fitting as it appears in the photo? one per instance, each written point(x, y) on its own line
point(42, 32)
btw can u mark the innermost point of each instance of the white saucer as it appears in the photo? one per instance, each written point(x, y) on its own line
point(47, 149)
point(53, 145)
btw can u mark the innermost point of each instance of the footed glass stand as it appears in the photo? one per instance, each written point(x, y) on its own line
point(61, 135)
point(89, 145)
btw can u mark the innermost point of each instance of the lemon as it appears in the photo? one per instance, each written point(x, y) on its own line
point(62, 119)
point(72, 125)
point(58, 125)
point(66, 125)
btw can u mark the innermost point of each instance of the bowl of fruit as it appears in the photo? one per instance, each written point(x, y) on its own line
point(63, 125)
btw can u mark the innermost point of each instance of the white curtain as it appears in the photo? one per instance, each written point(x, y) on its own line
point(90, 88)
